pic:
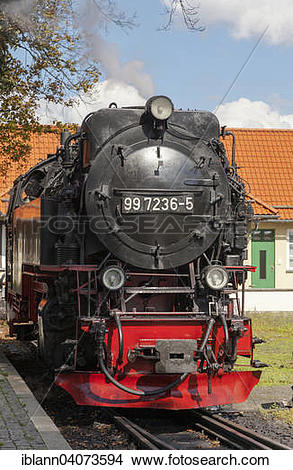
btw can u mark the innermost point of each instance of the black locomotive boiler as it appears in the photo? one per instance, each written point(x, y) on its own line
point(125, 258)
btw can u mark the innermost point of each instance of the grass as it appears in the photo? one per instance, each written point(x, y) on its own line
point(284, 414)
point(277, 330)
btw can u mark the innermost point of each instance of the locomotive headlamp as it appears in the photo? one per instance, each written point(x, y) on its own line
point(161, 107)
point(216, 277)
point(113, 277)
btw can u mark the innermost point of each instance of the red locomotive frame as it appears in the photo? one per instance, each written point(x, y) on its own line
point(141, 330)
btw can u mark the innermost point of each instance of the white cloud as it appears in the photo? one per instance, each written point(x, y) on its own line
point(101, 96)
point(249, 18)
point(246, 113)
point(240, 113)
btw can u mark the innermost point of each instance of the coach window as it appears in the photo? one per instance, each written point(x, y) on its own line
point(290, 250)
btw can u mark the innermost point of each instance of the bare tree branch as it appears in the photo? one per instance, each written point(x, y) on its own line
point(188, 12)
point(111, 15)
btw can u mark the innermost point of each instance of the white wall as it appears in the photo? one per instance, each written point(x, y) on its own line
point(269, 300)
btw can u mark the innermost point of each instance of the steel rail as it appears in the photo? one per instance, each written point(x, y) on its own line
point(141, 436)
point(237, 435)
point(228, 433)
point(218, 435)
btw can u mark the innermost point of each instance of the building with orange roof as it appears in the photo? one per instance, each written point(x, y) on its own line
point(265, 161)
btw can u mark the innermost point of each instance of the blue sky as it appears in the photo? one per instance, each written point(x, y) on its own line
point(196, 69)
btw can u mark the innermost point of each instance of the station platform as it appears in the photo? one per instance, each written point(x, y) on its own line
point(23, 422)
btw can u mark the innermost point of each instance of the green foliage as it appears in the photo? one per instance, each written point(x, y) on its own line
point(41, 58)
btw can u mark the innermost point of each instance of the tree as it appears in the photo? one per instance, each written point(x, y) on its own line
point(42, 57)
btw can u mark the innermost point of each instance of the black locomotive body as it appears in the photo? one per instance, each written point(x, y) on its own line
point(125, 256)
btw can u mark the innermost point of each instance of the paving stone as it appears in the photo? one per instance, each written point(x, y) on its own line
point(23, 422)
point(17, 430)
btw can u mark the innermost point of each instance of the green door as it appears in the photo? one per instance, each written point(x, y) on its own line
point(263, 257)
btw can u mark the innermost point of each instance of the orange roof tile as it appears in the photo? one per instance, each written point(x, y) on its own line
point(265, 160)
point(261, 208)
point(41, 144)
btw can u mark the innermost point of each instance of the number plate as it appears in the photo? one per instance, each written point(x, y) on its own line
point(139, 204)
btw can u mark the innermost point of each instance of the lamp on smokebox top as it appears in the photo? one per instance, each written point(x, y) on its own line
point(113, 277)
point(160, 107)
point(216, 277)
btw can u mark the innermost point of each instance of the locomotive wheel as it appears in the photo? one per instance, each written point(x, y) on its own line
point(24, 332)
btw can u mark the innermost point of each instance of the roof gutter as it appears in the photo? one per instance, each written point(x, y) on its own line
point(266, 216)
point(276, 220)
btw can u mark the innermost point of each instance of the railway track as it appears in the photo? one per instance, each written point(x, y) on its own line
point(203, 431)
point(149, 429)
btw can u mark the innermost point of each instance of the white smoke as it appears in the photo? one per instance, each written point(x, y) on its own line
point(92, 21)
point(131, 73)
point(246, 113)
point(127, 84)
point(17, 7)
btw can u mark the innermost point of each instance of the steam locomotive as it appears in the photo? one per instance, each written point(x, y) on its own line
point(125, 258)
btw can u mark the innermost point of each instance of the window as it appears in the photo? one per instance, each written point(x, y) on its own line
point(269, 235)
point(256, 236)
point(262, 264)
point(290, 250)
point(263, 235)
